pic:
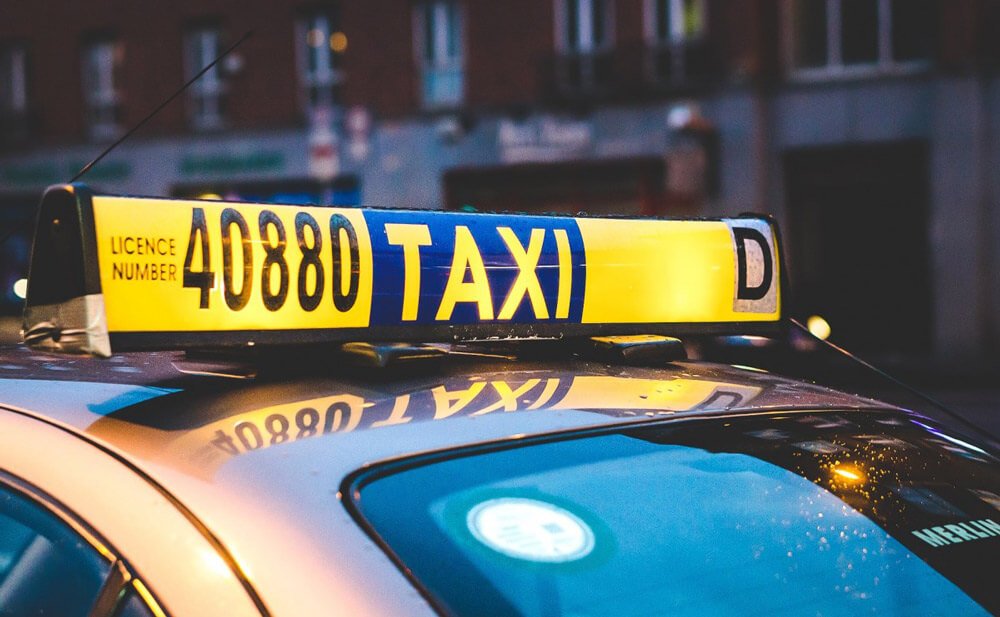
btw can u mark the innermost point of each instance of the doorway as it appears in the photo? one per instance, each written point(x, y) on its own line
point(858, 243)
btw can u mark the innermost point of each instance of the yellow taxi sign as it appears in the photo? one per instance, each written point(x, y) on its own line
point(141, 273)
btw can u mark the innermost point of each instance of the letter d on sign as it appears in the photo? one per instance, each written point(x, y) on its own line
point(755, 268)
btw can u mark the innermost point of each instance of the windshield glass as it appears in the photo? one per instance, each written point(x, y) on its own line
point(830, 514)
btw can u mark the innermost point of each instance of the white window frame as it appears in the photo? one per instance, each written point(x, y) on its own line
point(677, 35)
point(14, 90)
point(101, 62)
point(202, 45)
point(835, 67)
point(584, 28)
point(442, 75)
point(325, 77)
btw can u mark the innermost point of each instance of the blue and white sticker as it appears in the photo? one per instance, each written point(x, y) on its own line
point(531, 530)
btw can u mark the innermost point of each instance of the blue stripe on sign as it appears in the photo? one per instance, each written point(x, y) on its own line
point(436, 261)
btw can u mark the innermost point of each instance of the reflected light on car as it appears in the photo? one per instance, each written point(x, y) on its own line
point(215, 563)
point(819, 327)
point(849, 474)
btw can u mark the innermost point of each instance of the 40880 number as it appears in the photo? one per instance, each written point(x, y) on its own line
point(238, 279)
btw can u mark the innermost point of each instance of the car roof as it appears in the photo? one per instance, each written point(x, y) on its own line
point(166, 413)
point(141, 404)
point(252, 458)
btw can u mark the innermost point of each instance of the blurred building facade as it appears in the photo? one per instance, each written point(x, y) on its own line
point(869, 128)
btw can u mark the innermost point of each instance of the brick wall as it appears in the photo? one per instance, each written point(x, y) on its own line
point(506, 46)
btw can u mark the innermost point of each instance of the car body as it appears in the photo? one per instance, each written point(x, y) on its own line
point(170, 466)
point(489, 418)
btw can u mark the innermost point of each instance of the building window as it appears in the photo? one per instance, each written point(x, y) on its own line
point(586, 26)
point(202, 45)
point(14, 124)
point(13, 81)
point(584, 34)
point(439, 38)
point(850, 36)
point(321, 44)
point(913, 32)
point(675, 21)
point(102, 63)
point(675, 35)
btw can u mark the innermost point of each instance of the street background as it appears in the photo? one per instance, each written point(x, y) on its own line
point(867, 128)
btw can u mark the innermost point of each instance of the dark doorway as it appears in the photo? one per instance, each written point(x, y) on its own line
point(858, 247)
point(17, 219)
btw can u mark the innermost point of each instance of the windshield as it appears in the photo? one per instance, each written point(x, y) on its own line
point(832, 514)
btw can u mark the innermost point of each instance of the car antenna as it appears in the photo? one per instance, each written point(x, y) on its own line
point(17, 226)
point(898, 382)
point(148, 117)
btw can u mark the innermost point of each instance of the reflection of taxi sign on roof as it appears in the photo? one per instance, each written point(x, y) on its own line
point(138, 273)
point(245, 425)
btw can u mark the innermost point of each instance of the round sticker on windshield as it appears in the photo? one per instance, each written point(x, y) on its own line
point(531, 530)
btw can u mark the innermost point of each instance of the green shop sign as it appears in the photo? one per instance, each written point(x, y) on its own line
point(42, 174)
point(229, 164)
point(105, 171)
point(31, 174)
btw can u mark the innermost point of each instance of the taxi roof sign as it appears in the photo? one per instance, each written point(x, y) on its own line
point(130, 273)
